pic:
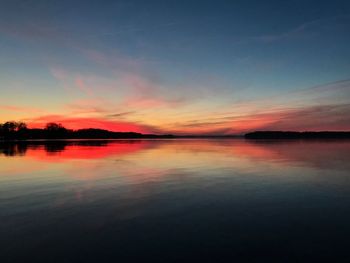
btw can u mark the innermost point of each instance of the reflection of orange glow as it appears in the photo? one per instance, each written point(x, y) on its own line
point(144, 160)
point(140, 162)
point(255, 151)
point(88, 152)
point(309, 153)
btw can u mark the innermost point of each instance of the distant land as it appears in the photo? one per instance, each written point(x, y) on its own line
point(19, 131)
point(298, 135)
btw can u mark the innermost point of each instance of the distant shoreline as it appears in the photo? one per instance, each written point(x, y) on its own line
point(257, 135)
point(146, 137)
point(18, 131)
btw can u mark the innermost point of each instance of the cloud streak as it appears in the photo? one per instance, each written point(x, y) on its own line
point(315, 118)
point(306, 30)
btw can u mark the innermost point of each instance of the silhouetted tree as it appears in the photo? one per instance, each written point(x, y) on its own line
point(13, 130)
point(22, 130)
point(52, 126)
point(55, 130)
point(21, 126)
point(9, 126)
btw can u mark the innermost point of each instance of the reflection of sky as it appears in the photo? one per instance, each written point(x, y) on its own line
point(146, 160)
point(130, 178)
point(172, 192)
point(218, 68)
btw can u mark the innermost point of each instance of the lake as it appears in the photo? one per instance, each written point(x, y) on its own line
point(207, 200)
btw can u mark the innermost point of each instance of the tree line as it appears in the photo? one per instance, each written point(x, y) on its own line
point(12, 130)
point(20, 130)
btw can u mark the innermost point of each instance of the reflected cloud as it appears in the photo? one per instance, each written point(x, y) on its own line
point(305, 153)
point(142, 160)
point(63, 150)
point(134, 167)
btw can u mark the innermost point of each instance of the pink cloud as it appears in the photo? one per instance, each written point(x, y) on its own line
point(79, 82)
point(72, 81)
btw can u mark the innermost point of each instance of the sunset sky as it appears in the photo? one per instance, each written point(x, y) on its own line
point(181, 67)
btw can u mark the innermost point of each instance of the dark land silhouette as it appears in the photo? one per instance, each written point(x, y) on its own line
point(298, 135)
point(19, 131)
point(12, 130)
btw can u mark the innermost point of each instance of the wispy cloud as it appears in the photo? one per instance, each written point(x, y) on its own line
point(308, 29)
point(137, 29)
point(20, 109)
point(324, 107)
point(120, 114)
point(136, 90)
point(322, 117)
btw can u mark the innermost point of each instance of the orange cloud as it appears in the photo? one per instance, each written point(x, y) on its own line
point(148, 103)
point(20, 109)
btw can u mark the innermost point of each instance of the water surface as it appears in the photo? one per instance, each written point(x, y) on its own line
point(175, 201)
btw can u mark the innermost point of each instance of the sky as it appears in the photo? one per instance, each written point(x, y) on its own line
point(180, 67)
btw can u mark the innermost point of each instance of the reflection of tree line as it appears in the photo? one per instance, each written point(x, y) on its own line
point(20, 148)
point(19, 131)
point(13, 149)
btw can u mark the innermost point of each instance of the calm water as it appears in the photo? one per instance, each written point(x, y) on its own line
point(175, 201)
